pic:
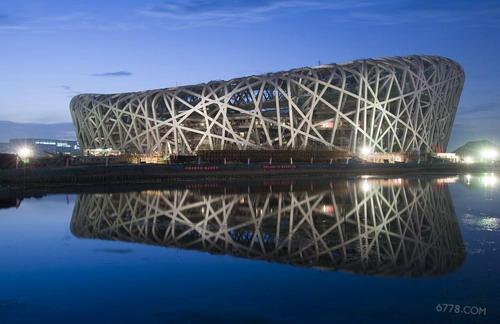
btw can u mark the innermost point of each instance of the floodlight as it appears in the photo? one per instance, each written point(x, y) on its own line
point(24, 152)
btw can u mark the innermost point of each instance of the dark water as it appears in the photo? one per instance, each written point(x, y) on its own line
point(364, 250)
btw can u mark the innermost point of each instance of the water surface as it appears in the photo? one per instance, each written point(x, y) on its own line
point(331, 250)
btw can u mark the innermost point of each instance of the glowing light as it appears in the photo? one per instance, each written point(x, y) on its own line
point(489, 154)
point(468, 177)
point(468, 160)
point(24, 152)
point(365, 186)
point(327, 124)
point(489, 223)
point(482, 223)
point(365, 150)
point(328, 209)
point(448, 180)
point(489, 180)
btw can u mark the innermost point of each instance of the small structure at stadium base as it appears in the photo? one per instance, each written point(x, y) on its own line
point(391, 106)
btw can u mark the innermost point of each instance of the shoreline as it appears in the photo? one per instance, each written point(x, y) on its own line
point(81, 177)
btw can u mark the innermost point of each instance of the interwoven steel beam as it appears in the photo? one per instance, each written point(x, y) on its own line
point(397, 104)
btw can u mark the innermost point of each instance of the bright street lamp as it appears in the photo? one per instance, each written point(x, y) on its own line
point(24, 152)
point(489, 154)
point(365, 150)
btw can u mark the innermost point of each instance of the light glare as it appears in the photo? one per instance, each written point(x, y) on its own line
point(468, 177)
point(489, 154)
point(365, 150)
point(489, 180)
point(24, 152)
point(365, 186)
point(468, 160)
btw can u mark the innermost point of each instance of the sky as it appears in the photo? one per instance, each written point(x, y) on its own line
point(51, 50)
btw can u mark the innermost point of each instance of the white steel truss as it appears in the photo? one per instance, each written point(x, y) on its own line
point(397, 104)
point(374, 227)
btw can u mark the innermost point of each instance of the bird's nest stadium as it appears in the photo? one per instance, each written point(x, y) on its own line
point(395, 105)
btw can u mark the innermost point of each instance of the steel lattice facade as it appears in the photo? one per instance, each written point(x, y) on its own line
point(400, 104)
point(389, 227)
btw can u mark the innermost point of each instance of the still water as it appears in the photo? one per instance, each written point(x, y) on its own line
point(361, 250)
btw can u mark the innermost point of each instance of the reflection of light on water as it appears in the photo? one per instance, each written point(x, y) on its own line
point(489, 180)
point(448, 180)
point(467, 178)
point(489, 223)
point(352, 226)
point(397, 181)
point(476, 250)
point(365, 186)
point(479, 246)
point(153, 193)
point(482, 223)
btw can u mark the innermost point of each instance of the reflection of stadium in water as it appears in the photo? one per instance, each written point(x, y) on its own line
point(388, 227)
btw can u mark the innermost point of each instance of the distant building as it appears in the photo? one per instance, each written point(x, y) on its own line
point(44, 147)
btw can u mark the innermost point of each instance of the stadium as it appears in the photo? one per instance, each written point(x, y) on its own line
point(389, 107)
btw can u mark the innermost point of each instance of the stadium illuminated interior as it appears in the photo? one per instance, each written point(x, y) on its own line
point(385, 106)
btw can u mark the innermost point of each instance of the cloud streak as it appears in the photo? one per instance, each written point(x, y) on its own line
point(196, 13)
point(184, 14)
point(481, 109)
point(70, 21)
point(113, 74)
point(436, 15)
point(181, 14)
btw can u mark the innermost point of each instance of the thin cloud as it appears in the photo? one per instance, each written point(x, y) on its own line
point(9, 23)
point(182, 14)
point(196, 13)
point(409, 15)
point(69, 91)
point(481, 109)
point(68, 22)
point(86, 21)
point(113, 74)
point(478, 118)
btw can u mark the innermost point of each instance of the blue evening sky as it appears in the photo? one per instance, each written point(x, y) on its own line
point(51, 50)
